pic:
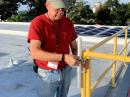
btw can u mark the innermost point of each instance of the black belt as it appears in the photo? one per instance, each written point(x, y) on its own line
point(35, 68)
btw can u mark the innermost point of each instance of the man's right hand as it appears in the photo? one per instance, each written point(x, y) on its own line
point(71, 60)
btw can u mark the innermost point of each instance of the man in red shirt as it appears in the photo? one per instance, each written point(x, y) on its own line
point(51, 35)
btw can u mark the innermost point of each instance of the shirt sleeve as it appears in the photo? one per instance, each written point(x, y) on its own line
point(34, 31)
point(74, 34)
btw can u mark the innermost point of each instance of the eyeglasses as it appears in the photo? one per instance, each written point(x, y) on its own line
point(60, 10)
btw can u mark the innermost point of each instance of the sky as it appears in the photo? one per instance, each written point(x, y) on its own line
point(23, 7)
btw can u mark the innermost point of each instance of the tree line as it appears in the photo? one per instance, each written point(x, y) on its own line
point(110, 13)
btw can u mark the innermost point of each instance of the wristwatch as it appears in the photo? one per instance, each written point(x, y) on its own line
point(63, 58)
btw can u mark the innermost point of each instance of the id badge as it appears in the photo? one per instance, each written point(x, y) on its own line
point(53, 65)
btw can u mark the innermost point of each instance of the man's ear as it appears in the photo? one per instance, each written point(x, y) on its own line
point(46, 5)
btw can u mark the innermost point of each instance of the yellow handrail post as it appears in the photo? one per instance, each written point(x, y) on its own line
point(114, 65)
point(83, 84)
point(88, 79)
point(125, 46)
point(83, 81)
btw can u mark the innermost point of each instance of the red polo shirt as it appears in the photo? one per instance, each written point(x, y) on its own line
point(42, 29)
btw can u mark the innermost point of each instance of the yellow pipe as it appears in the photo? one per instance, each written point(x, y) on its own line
point(82, 80)
point(103, 75)
point(102, 42)
point(88, 53)
point(125, 46)
point(123, 49)
point(83, 84)
point(88, 80)
point(114, 65)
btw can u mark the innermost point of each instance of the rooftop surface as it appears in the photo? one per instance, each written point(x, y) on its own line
point(19, 80)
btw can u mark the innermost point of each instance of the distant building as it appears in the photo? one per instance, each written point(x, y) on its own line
point(96, 7)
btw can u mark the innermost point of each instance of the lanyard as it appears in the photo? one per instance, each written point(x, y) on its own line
point(57, 32)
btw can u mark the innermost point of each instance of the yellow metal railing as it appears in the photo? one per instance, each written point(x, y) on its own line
point(86, 87)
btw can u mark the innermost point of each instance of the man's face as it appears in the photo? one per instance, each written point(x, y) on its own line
point(56, 14)
point(59, 13)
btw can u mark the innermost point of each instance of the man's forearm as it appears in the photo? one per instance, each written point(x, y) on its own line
point(45, 56)
point(74, 47)
point(74, 51)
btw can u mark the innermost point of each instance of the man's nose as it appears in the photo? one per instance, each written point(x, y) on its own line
point(61, 9)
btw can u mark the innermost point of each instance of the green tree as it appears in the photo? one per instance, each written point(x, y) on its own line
point(114, 13)
point(81, 13)
point(120, 15)
point(40, 7)
point(110, 4)
point(103, 16)
point(69, 4)
point(128, 12)
point(9, 8)
point(35, 7)
point(21, 17)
